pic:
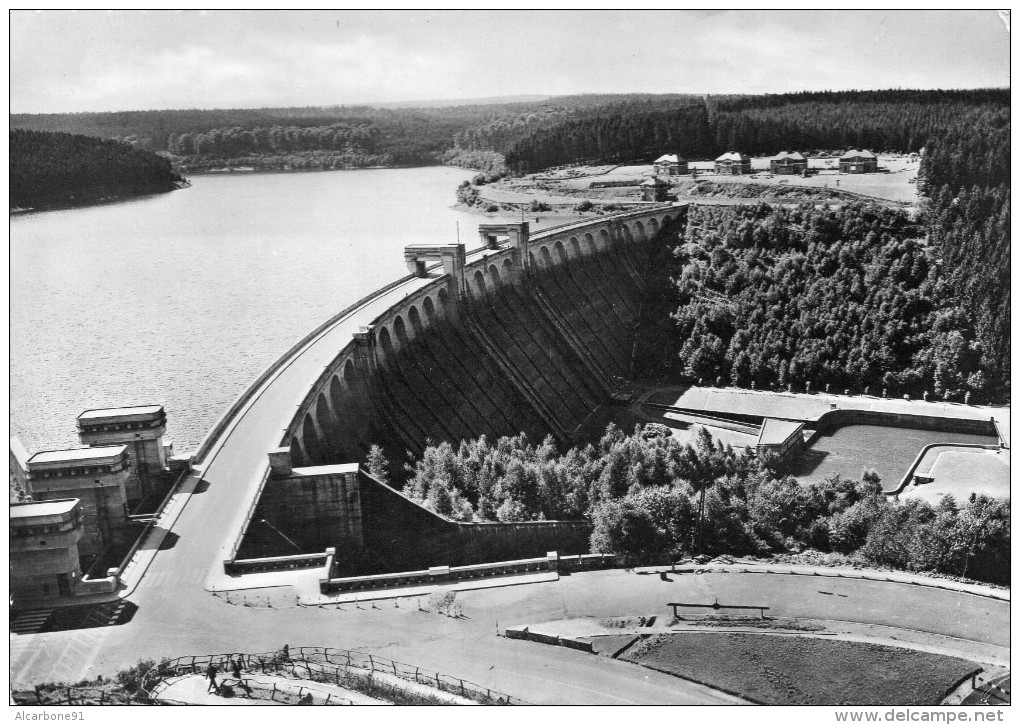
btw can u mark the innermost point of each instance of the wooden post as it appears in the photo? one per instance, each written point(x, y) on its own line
point(395, 669)
point(273, 695)
point(462, 692)
point(328, 695)
point(371, 663)
point(439, 685)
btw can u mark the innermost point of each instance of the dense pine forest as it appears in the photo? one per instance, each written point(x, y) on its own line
point(645, 493)
point(57, 169)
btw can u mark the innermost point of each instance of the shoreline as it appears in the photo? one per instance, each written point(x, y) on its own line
point(102, 201)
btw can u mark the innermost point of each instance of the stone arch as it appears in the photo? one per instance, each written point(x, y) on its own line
point(324, 417)
point(547, 262)
point(627, 236)
point(603, 240)
point(508, 269)
point(297, 450)
point(561, 253)
point(429, 308)
point(444, 303)
point(336, 393)
point(415, 319)
point(385, 344)
point(589, 243)
point(350, 374)
point(575, 248)
point(479, 282)
point(400, 331)
point(653, 224)
point(494, 280)
point(309, 439)
point(534, 262)
point(639, 232)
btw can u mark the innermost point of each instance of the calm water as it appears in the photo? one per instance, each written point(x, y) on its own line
point(184, 298)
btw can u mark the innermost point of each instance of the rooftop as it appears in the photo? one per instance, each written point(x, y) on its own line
point(654, 181)
point(34, 509)
point(854, 153)
point(77, 455)
point(112, 412)
point(775, 431)
point(793, 155)
point(668, 158)
point(734, 156)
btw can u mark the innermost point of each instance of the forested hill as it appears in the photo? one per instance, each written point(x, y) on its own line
point(317, 137)
point(58, 169)
point(531, 135)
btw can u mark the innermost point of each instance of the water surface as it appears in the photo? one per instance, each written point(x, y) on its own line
point(184, 298)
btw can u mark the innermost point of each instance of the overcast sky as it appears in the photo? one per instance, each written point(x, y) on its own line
point(126, 60)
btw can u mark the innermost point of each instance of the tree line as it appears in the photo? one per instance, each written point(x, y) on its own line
point(892, 121)
point(646, 493)
point(49, 169)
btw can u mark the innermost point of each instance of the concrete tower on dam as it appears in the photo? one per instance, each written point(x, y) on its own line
point(525, 334)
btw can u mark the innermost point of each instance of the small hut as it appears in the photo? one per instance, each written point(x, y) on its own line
point(654, 189)
point(734, 163)
point(788, 162)
point(858, 162)
point(670, 165)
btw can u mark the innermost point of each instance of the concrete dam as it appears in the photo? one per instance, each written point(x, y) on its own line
point(526, 333)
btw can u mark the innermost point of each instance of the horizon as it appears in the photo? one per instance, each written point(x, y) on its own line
point(118, 61)
point(417, 104)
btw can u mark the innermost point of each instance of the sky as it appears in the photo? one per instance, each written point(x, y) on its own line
point(65, 61)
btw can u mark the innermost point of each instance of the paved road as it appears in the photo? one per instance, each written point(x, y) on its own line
point(179, 618)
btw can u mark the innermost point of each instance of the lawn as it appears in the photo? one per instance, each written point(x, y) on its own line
point(777, 670)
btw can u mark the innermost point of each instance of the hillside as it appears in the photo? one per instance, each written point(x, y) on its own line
point(58, 169)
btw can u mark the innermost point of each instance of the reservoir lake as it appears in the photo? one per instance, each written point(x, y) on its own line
point(184, 298)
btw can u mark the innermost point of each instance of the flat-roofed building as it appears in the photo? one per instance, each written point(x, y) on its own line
point(141, 428)
point(733, 163)
point(98, 478)
point(44, 557)
point(670, 165)
point(780, 437)
point(17, 465)
point(858, 162)
point(788, 162)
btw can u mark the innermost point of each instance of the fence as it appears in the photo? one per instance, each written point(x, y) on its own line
point(278, 563)
point(438, 574)
point(342, 667)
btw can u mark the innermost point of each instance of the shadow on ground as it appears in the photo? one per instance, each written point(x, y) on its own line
point(88, 616)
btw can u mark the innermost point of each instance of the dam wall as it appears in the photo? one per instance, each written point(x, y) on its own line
point(524, 334)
